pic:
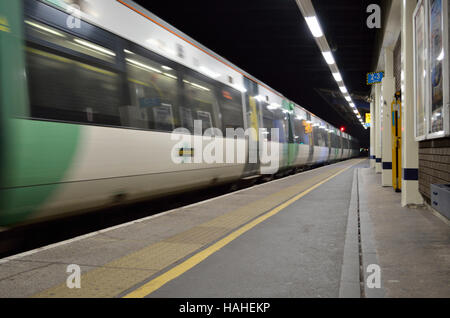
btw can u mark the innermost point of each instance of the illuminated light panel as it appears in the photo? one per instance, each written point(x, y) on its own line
point(170, 75)
point(343, 89)
point(337, 77)
point(167, 68)
point(328, 57)
point(200, 87)
point(95, 47)
point(43, 28)
point(314, 26)
point(144, 66)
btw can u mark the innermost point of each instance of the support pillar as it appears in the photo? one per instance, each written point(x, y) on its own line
point(377, 126)
point(388, 92)
point(372, 131)
point(410, 147)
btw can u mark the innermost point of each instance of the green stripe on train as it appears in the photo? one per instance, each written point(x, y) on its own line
point(34, 155)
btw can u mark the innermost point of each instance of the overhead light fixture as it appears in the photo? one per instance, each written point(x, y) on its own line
point(348, 99)
point(343, 89)
point(314, 26)
point(352, 104)
point(328, 57)
point(355, 111)
point(337, 76)
point(167, 68)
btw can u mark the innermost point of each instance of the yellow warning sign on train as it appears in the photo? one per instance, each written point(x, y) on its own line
point(368, 118)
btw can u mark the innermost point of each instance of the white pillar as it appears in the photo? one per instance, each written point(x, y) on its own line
point(377, 126)
point(388, 88)
point(410, 147)
point(372, 130)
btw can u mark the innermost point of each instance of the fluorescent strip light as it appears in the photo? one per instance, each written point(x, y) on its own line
point(170, 75)
point(199, 87)
point(337, 77)
point(129, 52)
point(343, 89)
point(314, 26)
point(328, 57)
point(43, 28)
point(348, 99)
point(167, 68)
point(143, 66)
point(95, 47)
point(352, 104)
point(355, 111)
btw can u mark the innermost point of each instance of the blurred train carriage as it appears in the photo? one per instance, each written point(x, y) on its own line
point(87, 110)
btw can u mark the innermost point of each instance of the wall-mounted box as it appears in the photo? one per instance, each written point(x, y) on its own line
point(440, 198)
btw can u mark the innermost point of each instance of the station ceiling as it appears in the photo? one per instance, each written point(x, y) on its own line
point(271, 40)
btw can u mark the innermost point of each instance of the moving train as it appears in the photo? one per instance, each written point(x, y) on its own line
point(91, 92)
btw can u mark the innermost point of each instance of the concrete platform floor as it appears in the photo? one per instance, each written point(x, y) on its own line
point(412, 244)
point(293, 237)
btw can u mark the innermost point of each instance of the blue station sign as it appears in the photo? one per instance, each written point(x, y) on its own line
point(374, 78)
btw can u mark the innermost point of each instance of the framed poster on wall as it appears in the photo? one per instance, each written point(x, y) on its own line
point(431, 69)
point(420, 71)
point(436, 59)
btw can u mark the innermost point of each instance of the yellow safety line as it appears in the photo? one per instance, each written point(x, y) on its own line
point(194, 260)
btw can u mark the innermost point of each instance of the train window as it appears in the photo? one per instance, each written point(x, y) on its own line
point(282, 123)
point(199, 103)
point(231, 108)
point(153, 91)
point(300, 135)
point(325, 136)
point(319, 136)
point(68, 41)
point(268, 118)
point(335, 143)
point(64, 89)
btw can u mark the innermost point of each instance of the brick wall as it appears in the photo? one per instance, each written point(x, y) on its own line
point(434, 164)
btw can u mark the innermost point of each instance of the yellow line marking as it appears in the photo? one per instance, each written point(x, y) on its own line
point(194, 260)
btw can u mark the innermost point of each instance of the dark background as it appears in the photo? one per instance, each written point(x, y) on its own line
point(270, 40)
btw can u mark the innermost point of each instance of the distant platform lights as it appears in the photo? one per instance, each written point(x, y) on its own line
point(313, 23)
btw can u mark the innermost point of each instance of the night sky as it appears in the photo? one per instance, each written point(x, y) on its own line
point(270, 40)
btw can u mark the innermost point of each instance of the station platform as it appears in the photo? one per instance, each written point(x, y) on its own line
point(301, 236)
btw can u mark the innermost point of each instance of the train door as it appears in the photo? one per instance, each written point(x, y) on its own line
point(251, 107)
